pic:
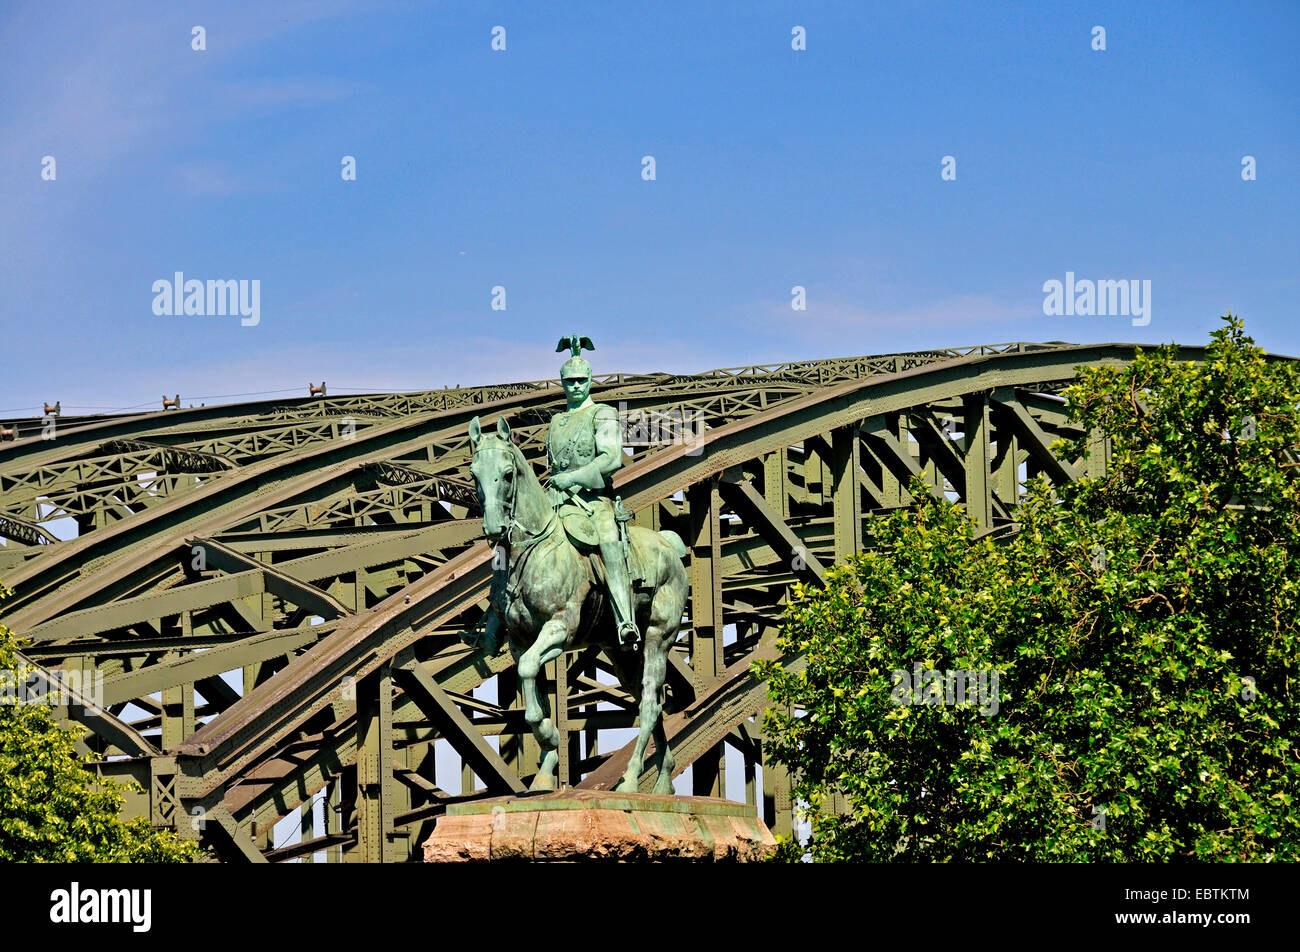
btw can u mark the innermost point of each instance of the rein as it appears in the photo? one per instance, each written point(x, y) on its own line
point(524, 546)
point(513, 523)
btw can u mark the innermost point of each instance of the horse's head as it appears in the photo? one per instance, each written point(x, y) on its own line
point(495, 470)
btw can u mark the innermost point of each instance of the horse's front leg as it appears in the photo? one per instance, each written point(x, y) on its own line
point(548, 646)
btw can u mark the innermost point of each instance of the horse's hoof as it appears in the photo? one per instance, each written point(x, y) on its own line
point(542, 785)
point(626, 786)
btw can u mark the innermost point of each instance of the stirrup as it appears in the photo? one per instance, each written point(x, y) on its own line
point(629, 639)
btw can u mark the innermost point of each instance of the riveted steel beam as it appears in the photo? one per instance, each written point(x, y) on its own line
point(371, 521)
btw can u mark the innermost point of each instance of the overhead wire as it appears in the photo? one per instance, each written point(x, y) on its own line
point(35, 410)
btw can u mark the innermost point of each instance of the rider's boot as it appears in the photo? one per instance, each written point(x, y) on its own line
point(488, 639)
point(619, 581)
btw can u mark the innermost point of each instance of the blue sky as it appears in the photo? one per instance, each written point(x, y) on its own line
point(522, 169)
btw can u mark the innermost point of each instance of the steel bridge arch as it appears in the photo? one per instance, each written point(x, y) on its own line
point(326, 551)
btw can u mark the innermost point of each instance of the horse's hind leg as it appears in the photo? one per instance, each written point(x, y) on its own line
point(663, 759)
point(653, 670)
point(548, 646)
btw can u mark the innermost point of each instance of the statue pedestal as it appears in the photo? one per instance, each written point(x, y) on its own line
point(600, 826)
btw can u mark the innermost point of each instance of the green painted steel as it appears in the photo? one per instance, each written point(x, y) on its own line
point(276, 592)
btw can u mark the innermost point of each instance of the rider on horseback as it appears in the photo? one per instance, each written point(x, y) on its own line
point(584, 447)
point(542, 584)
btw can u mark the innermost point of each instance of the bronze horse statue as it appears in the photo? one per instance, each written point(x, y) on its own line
point(554, 603)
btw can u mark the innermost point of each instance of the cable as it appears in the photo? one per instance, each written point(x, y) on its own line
point(381, 390)
point(253, 393)
point(226, 396)
point(138, 406)
point(301, 818)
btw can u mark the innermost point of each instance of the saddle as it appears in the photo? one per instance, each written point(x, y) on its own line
point(578, 526)
point(582, 534)
point(596, 568)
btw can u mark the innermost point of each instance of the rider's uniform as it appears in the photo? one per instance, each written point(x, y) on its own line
point(575, 439)
point(570, 445)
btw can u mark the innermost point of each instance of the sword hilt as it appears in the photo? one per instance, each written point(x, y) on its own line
point(621, 514)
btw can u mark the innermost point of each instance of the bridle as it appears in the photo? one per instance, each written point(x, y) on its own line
point(525, 546)
point(512, 523)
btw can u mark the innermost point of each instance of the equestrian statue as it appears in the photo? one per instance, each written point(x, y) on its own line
point(570, 572)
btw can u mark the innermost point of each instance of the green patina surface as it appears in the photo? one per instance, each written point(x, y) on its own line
point(545, 583)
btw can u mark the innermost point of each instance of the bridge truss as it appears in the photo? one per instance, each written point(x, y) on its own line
point(274, 592)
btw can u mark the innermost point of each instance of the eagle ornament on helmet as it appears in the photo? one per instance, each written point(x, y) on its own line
point(575, 366)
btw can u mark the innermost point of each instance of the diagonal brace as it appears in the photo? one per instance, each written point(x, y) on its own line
point(433, 701)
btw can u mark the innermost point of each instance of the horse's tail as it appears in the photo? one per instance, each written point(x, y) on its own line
point(674, 542)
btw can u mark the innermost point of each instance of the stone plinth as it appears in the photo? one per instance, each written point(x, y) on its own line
point(587, 825)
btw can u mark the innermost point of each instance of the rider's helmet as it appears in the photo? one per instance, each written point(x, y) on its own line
point(575, 367)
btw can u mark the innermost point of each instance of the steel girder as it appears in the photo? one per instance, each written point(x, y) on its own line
point(328, 552)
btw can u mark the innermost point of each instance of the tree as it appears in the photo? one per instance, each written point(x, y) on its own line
point(1142, 627)
point(52, 809)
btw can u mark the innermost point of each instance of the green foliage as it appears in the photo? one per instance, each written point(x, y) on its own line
point(52, 810)
point(1143, 625)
